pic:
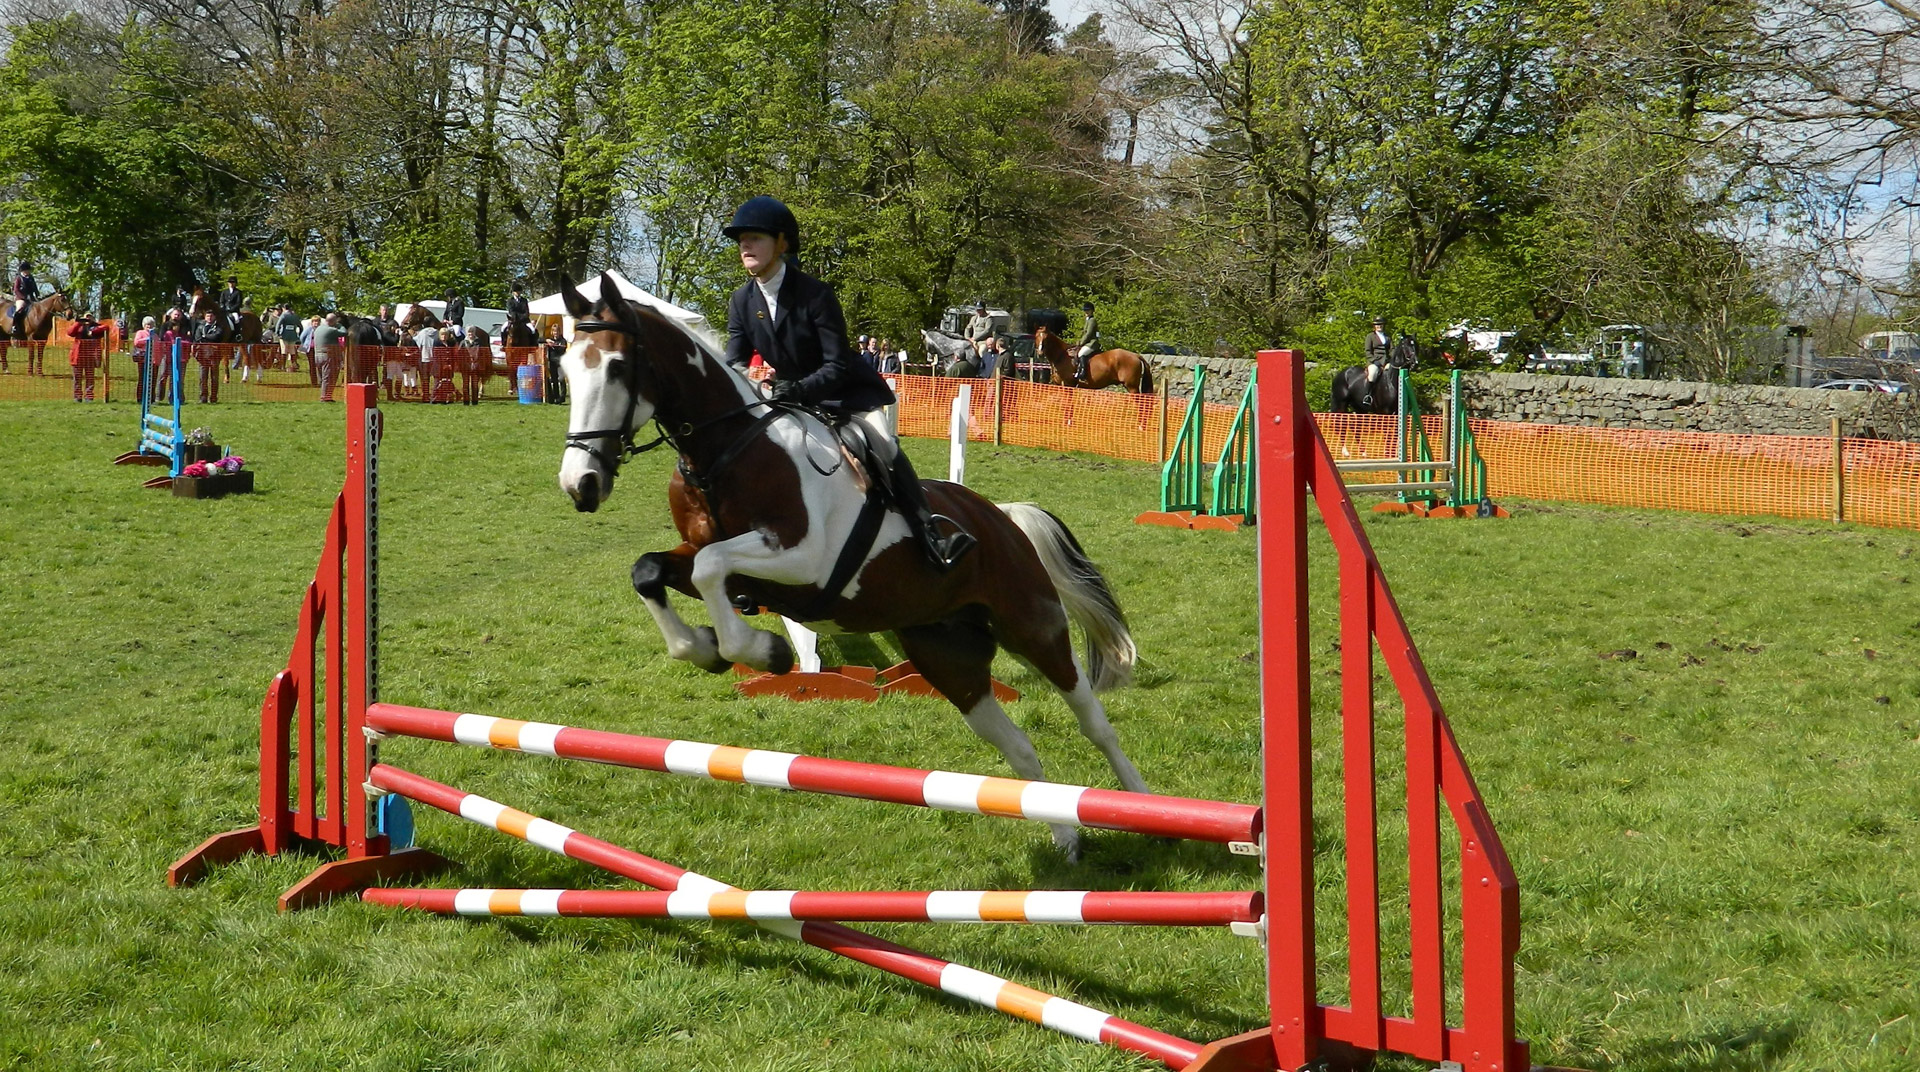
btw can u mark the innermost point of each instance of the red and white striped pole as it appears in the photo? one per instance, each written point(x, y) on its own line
point(1135, 908)
point(1067, 1017)
point(1110, 809)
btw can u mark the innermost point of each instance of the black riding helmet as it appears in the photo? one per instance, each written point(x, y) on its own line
point(768, 216)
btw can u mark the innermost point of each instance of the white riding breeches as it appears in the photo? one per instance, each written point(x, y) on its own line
point(1086, 351)
point(880, 432)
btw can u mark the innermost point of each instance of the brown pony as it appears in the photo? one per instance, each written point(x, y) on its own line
point(32, 331)
point(419, 316)
point(1104, 369)
point(767, 505)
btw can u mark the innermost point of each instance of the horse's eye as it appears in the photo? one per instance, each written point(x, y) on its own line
point(617, 369)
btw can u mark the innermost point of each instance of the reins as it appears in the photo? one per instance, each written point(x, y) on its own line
point(677, 437)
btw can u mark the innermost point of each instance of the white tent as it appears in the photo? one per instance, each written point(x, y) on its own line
point(555, 305)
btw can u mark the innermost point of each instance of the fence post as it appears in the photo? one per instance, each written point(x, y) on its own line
point(1839, 474)
point(1160, 455)
point(999, 413)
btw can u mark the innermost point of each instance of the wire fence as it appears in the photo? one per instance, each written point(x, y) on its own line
point(1869, 481)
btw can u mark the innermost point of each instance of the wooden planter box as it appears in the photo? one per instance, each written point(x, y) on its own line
point(200, 452)
point(212, 487)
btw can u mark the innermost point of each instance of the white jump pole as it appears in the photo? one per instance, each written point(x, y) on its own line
point(957, 434)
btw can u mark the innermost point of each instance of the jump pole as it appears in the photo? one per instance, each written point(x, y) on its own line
point(162, 441)
point(331, 808)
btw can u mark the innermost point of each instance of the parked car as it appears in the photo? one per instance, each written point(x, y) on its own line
point(1892, 387)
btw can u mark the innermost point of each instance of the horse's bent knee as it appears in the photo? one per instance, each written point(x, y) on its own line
point(650, 577)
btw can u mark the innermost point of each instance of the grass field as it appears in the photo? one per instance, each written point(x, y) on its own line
point(1716, 836)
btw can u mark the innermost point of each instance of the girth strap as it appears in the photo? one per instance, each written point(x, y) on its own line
point(866, 529)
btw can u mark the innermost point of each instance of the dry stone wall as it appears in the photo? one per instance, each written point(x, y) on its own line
point(1226, 376)
point(1670, 405)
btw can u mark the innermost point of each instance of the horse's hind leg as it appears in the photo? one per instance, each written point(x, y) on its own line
point(1044, 641)
point(653, 574)
point(956, 657)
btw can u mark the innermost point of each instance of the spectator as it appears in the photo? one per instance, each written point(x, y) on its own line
point(143, 343)
point(451, 358)
point(891, 361)
point(396, 361)
point(206, 353)
point(426, 339)
point(89, 342)
point(176, 338)
point(306, 347)
point(327, 339)
point(979, 329)
point(477, 367)
point(286, 327)
point(556, 349)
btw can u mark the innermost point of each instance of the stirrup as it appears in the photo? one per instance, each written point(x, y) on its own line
point(950, 548)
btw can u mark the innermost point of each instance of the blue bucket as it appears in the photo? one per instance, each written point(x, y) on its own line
point(527, 379)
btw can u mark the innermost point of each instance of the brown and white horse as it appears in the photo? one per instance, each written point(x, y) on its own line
point(765, 501)
point(32, 330)
point(1104, 369)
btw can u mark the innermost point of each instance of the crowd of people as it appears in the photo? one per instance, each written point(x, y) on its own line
point(421, 362)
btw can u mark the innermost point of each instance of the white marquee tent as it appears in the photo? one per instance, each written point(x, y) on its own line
point(555, 305)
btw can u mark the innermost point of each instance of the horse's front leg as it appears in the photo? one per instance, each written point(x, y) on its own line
point(653, 574)
point(750, 555)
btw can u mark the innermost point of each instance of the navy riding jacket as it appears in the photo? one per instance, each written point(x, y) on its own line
point(807, 344)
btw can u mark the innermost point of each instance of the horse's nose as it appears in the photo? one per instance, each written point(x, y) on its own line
point(586, 492)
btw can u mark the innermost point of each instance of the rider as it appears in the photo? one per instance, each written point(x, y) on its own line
point(517, 312)
point(232, 301)
point(1089, 343)
point(1379, 354)
point(794, 322)
point(25, 292)
point(456, 312)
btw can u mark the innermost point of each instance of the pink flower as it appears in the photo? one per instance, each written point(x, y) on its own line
point(196, 469)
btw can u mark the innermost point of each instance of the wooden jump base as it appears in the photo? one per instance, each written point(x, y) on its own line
point(319, 793)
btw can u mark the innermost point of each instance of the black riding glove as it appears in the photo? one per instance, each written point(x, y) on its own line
point(785, 391)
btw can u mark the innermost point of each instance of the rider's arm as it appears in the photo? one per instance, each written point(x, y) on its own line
point(739, 343)
point(836, 358)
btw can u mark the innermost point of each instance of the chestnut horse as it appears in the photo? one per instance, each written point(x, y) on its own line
point(765, 499)
point(32, 330)
point(1104, 369)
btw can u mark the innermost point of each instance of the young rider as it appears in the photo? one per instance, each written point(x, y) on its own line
point(794, 322)
point(25, 292)
point(1089, 343)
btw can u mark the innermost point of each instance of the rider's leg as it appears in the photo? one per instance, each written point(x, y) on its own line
point(904, 483)
point(1080, 362)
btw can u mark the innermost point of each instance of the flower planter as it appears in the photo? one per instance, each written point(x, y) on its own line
point(199, 452)
point(212, 487)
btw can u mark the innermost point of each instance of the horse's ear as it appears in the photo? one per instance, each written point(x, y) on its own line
point(612, 300)
point(577, 305)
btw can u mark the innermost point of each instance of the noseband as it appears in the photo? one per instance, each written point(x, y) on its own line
point(677, 436)
point(622, 435)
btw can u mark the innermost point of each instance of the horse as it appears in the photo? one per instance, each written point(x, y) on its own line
point(1373, 388)
point(32, 330)
point(768, 503)
point(1104, 369)
point(419, 316)
point(518, 333)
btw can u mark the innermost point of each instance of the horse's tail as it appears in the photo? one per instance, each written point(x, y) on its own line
point(1083, 593)
point(1146, 376)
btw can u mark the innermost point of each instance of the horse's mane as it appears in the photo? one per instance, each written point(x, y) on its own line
point(702, 339)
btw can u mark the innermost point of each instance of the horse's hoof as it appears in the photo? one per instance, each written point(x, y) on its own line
point(780, 659)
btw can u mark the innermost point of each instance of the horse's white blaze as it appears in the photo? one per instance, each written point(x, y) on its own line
point(599, 404)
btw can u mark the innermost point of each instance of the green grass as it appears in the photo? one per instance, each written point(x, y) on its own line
point(1715, 838)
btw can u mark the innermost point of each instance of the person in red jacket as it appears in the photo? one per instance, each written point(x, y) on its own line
point(89, 345)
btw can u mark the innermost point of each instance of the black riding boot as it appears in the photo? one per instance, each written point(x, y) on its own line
point(943, 551)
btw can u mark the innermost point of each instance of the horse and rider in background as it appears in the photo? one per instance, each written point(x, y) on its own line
point(28, 319)
point(1103, 369)
point(1375, 386)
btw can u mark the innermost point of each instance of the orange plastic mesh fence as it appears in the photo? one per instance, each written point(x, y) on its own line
point(1704, 472)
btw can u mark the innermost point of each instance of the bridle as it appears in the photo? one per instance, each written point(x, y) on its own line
point(676, 436)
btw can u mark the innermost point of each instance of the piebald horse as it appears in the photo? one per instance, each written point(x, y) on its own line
point(1104, 369)
point(765, 500)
